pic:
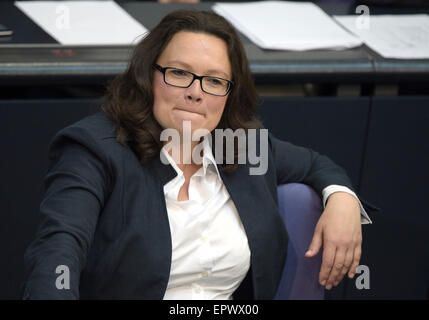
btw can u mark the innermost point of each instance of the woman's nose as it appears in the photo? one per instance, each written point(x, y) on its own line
point(194, 91)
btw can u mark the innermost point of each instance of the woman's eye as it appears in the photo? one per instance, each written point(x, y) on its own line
point(178, 72)
point(215, 82)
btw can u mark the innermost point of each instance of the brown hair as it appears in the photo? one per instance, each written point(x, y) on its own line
point(129, 98)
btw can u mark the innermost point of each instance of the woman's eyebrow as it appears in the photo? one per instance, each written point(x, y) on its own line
point(188, 67)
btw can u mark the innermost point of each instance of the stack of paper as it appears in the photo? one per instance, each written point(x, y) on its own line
point(393, 36)
point(287, 25)
point(84, 23)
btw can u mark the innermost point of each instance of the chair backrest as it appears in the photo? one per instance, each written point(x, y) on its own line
point(300, 207)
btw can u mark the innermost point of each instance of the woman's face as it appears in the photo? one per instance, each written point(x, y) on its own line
point(204, 55)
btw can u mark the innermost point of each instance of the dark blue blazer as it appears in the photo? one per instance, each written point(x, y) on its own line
point(105, 218)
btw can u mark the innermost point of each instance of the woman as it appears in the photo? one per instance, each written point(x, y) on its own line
point(119, 223)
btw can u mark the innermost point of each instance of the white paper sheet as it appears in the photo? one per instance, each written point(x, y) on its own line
point(84, 22)
point(393, 36)
point(287, 25)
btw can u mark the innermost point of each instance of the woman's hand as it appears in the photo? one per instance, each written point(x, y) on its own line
point(339, 229)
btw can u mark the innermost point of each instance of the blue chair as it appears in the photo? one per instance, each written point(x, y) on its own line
point(300, 207)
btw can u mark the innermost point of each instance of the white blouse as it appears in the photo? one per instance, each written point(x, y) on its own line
point(210, 251)
point(211, 255)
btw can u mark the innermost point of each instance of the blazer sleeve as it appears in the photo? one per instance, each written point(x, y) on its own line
point(299, 164)
point(76, 187)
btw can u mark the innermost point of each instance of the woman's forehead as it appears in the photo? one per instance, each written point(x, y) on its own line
point(190, 50)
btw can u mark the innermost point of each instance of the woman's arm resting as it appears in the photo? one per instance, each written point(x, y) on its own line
point(339, 230)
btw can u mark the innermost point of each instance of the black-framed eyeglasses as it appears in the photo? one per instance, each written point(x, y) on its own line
point(183, 79)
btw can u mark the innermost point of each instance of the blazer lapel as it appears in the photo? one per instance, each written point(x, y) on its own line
point(243, 190)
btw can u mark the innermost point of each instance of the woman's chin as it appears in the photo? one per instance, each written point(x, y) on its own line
point(183, 123)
